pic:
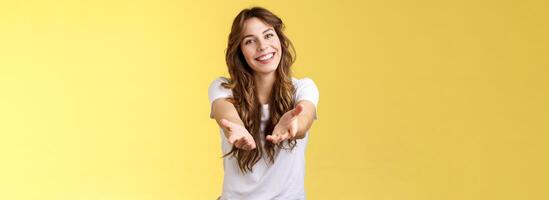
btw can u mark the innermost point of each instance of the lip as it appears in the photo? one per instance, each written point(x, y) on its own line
point(266, 61)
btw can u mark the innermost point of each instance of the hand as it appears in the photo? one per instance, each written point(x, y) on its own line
point(238, 135)
point(287, 126)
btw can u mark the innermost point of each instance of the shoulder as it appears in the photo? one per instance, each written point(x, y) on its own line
point(216, 89)
point(219, 80)
point(303, 83)
point(217, 84)
point(305, 89)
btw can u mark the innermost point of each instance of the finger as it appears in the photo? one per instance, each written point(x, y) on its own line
point(277, 132)
point(251, 143)
point(233, 139)
point(271, 138)
point(236, 143)
point(240, 143)
point(279, 139)
point(227, 124)
point(282, 137)
point(244, 144)
point(247, 147)
point(292, 134)
point(275, 139)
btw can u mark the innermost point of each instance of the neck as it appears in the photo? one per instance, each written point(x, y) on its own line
point(264, 83)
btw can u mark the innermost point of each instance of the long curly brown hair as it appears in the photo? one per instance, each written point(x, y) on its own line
point(243, 86)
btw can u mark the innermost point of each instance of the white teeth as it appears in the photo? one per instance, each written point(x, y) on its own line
point(265, 57)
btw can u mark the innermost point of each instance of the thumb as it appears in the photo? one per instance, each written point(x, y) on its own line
point(297, 110)
point(226, 123)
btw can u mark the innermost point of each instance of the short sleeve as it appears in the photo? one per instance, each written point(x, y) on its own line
point(216, 91)
point(306, 90)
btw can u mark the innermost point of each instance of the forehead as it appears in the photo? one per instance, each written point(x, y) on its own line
point(255, 26)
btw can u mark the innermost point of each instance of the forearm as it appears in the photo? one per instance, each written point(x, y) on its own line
point(223, 109)
point(305, 119)
point(304, 124)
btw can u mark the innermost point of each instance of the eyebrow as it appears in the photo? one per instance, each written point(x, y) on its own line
point(268, 29)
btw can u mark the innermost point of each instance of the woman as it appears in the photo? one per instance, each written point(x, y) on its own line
point(263, 112)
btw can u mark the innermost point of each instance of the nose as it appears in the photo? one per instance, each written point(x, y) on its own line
point(262, 45)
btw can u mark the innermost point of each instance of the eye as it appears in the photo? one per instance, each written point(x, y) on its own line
point(248, 42)
point(269, 35)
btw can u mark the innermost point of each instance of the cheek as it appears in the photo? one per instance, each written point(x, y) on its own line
point(278, 47)
point(276, 43)
point(248, 54)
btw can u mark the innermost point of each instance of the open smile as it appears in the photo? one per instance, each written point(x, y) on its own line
point(266, 58)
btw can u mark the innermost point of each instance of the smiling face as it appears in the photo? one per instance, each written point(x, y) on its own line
point(261, 46)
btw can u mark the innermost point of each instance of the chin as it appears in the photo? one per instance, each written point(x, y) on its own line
point(266, 69)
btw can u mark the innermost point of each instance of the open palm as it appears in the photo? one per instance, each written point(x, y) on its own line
point(287, 126)
point(238, 135)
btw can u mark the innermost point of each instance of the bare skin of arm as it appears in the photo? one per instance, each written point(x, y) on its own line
point(295, 123)
point(292, 125)
point(227, 118)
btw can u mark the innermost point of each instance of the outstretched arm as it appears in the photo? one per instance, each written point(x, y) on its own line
point(228, 119)
point(295, 123)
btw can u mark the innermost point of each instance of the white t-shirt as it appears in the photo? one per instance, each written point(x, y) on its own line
point(282, 180)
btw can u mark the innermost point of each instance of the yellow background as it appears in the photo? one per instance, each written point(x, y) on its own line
point(419, 100)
